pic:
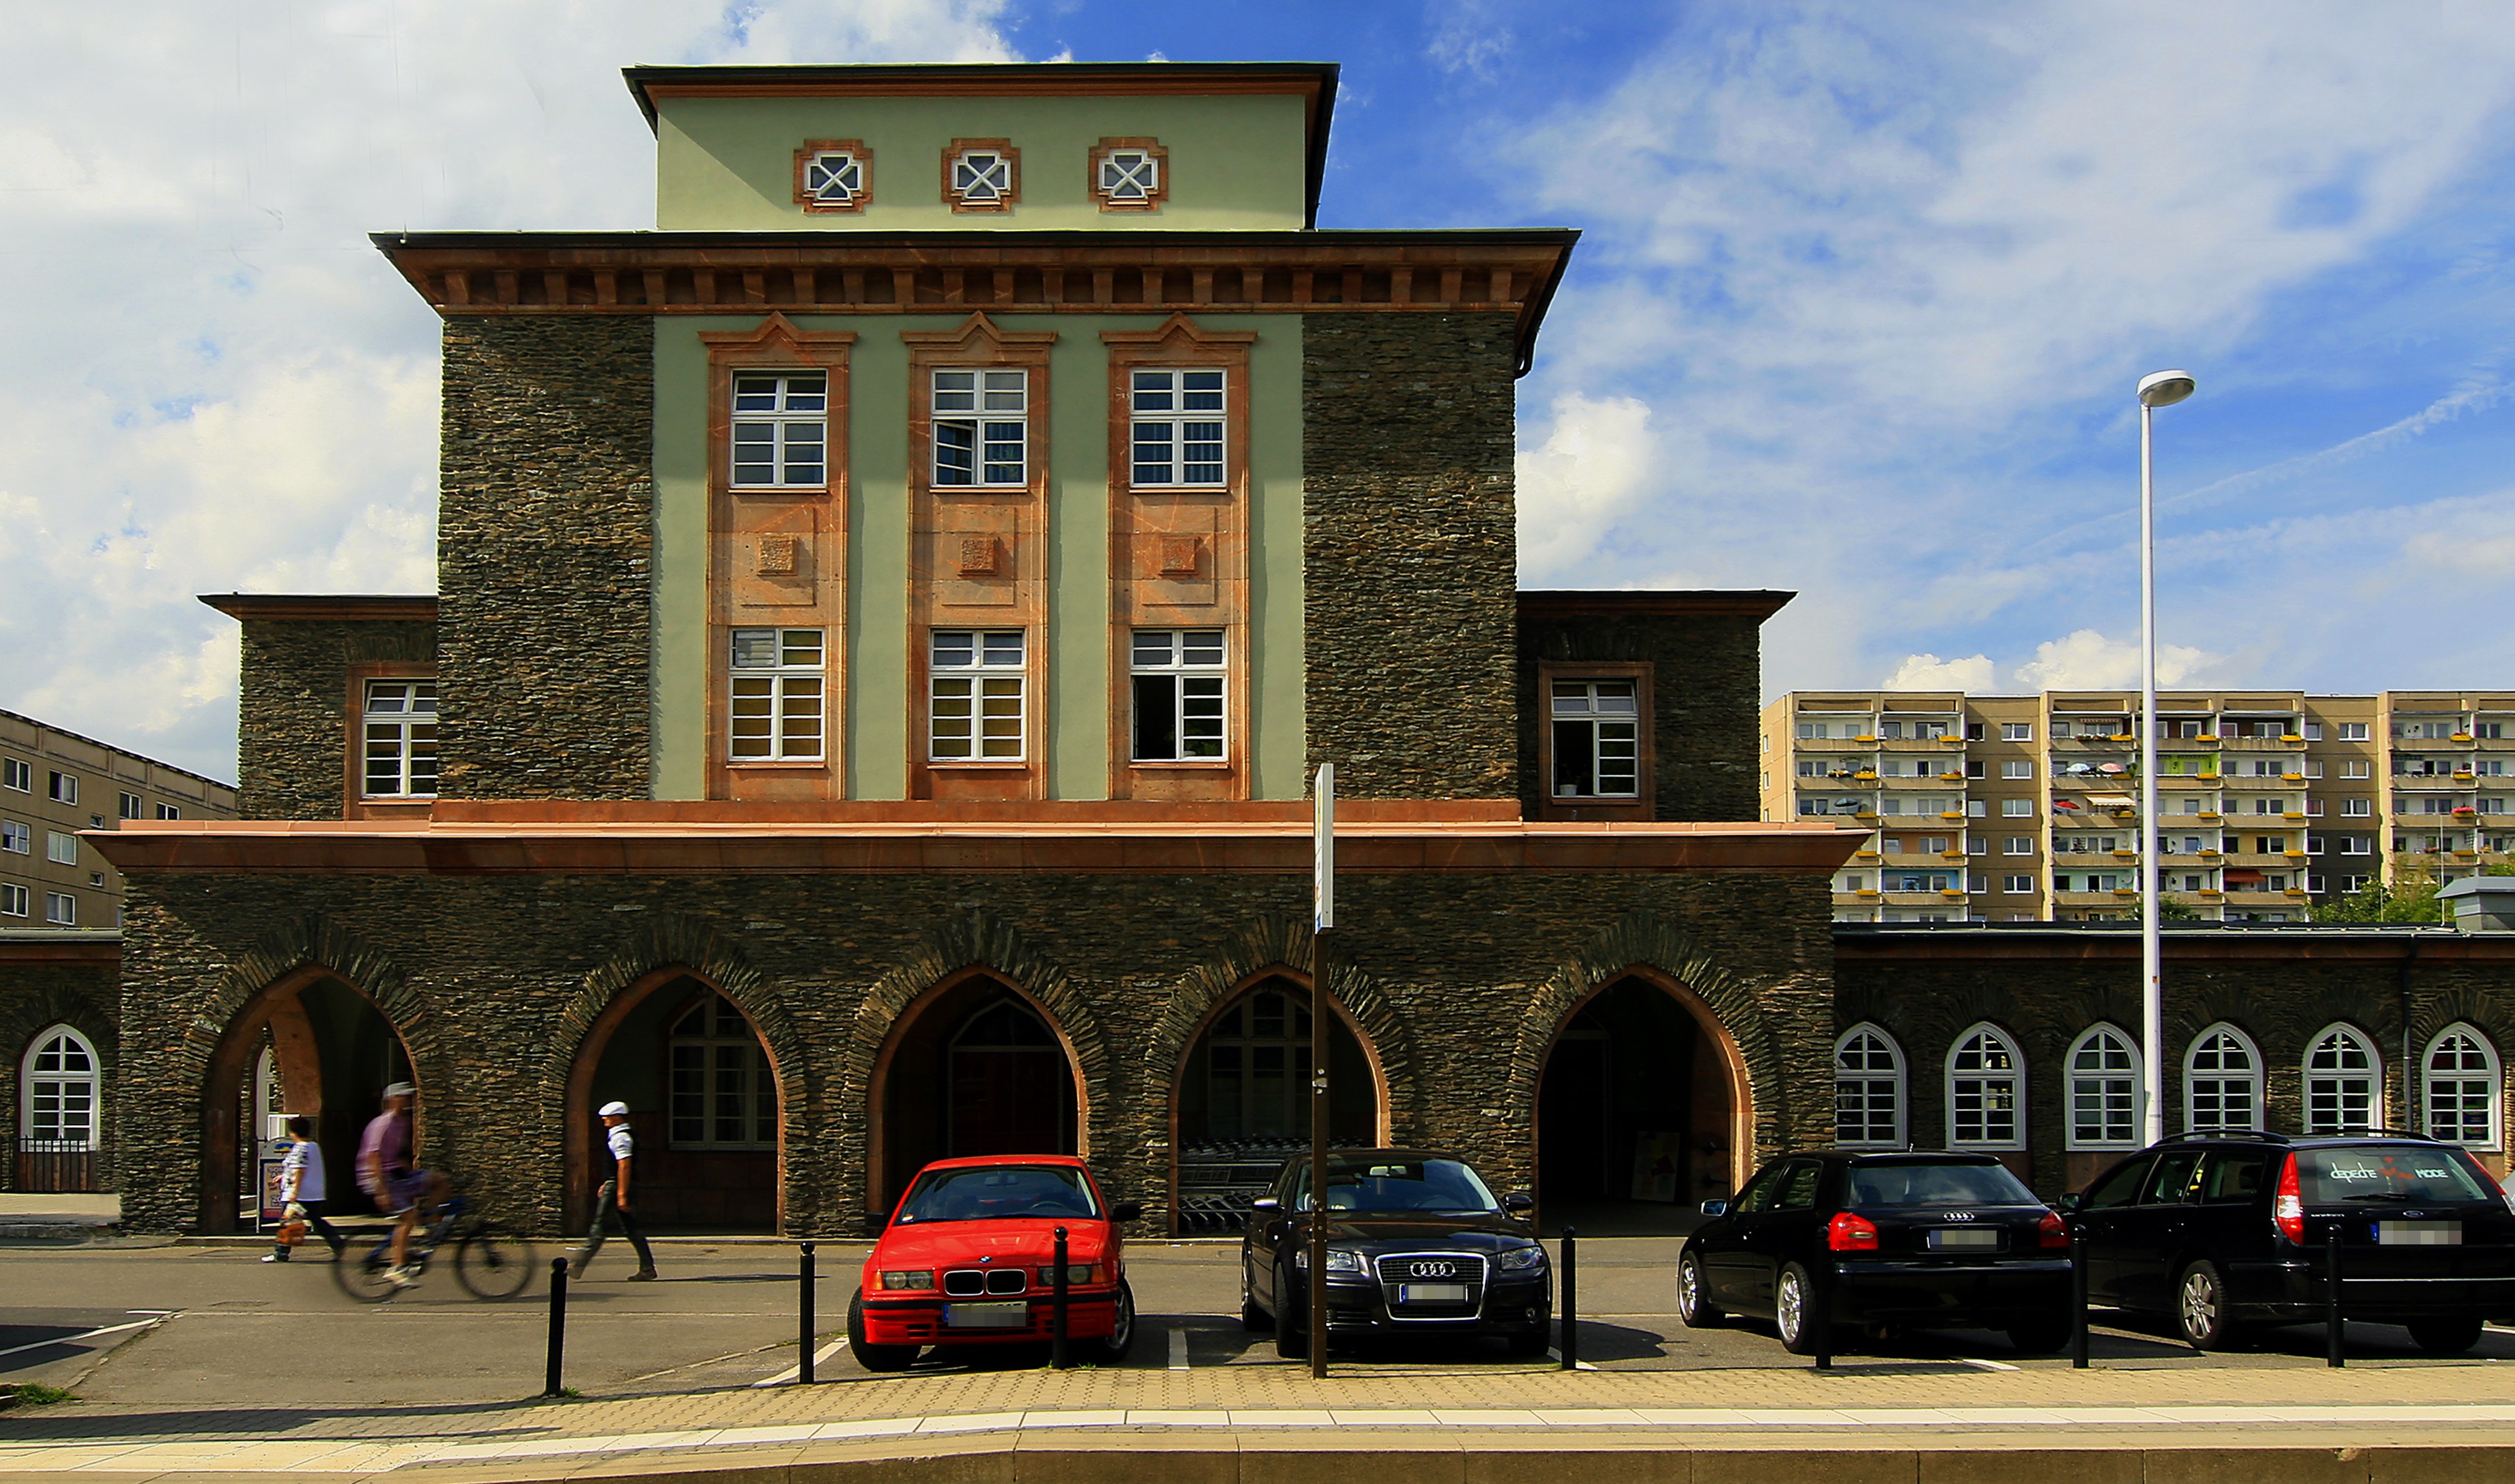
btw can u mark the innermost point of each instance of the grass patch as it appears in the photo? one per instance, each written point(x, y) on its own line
point(35, 1394)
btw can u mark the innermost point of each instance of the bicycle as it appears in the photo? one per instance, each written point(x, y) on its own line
point(491, 1261)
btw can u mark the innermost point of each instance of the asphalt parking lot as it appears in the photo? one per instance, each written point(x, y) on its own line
point(201, 1325)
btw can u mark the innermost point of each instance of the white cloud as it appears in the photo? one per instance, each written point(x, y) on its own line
point(1928, 672)
point(1598, 459)
point(1468, 35)
point(2086, 660)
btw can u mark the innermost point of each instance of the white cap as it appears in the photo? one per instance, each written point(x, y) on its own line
point(613, 1110)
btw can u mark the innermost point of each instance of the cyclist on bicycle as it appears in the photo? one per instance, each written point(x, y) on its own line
point(385, 1173)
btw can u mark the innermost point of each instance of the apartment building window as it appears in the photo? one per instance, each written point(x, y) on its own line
point(400, 730)
point(59, 848)
point(2313, 808)
point(1973, 769)
point(2358, 809)
point(977, 691)
point(1810, 767)
point(170, 811)
point(777, 691)
point(131, 805)
point(2313, 732)
point(2314, 844)
point(1977, 845)
point(781, 430)
point(2352, 885)
point(2222, 1080)
point(15, 837)
point(1178, 676)
point(1973, 731)
point(13, 900)
point(1868, 1089)
point(2017, 885)
point(1986, 1092)
point(1177, 428)
point(2017, 732)
point(2353, 731)
point(2017, 809)
point(2343, 1083)
point(1597, 731)
point(2462, 1089)
point(2104, 1091)
point(982, 428)
point(2017, 767)
point(2357, 844)
point(63, 788)
point(17, 776)
point(2314, 885)
point(2490, 732)
point(61, 909)
point(2018, 844)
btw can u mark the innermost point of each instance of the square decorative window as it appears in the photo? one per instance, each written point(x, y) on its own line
point(63, 788)
point(17, 776)
point(59, 848)
point(1597, 739)
point(833, 176)
point(982, 428)
point(777, 691)
point(1177, 428)
point(15, 837)
point(978, 684)
point(982, 175)
point(781, 430)
point(61, 909)
point(1129, 174)
point(1177, 674)
point(399, 731)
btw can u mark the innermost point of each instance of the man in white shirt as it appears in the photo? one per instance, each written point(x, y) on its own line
point(614, 1202)
point(300, 1185)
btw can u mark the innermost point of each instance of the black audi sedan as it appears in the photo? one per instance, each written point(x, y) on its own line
point(1418, 1245)
point(1885, 1241)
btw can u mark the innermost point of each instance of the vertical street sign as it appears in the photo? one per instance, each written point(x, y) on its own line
point(1322, 1014)
point(1323, 850)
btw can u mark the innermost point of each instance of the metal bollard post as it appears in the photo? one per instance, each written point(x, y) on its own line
point(2078, 1299)
point(557, 1326)
point(1820, 1302)
point(805, 1336)
point(1057, 1310)
point(2335, 1357)
point(1571, 1315)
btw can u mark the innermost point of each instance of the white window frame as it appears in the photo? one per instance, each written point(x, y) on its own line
point(61, 1040)
point(2017, 767)
point(835, 179)
point(2017, 809)
point(2461, 1103)
point(1177, 427)
point(391, 731)
point(17, 776)
point(719, 1053)
point(61, 909)
point(2107, 1090)
point(2018, 884)
point(13, 899)
point(62, 786)
point(1868, 1082)
point(1993, 1090)
point(2358, 809)
point(980, 420)
point(982, 178)
point(968, 699)
point(170, 811)
point(60, 847)
point(2353, 731)
point(1589, 714)
point(1183, 673)
point(17, 837)
point(1130, 176)
point(2017, 844)
point(129, 804)
point(2017, 732)
point(778, 695)
point(2331, 1085)
point(779, 433)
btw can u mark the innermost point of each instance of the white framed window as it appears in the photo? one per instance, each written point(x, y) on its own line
point(13, 900)
point(2353, 731)
point(982, 180)
point(1177, 421)
point(2017, 732)
point(132, 806)
point(778, 691)
point(2018, 844)
point(15, 774)
point(60, 1078)
point(976, 689)
point(2017, 809)
point(2358, 809)
point(399, 731)
point(1130, 177)
point(2357, 767)
point(2017, 885)
point(1179, 677)
point(2462, 1085)
point(1986, 1092)
point(834, 180)
point(1868, 1089)
point(15, 837)
point(64, 787)
point(61, 909)
point(2017, 767)
point(2344, 1081)
point(2104, 1090)
point(982, 428)
point(59, 848)
point(170, 811)
point(1598, 738)
point(781, 430)
point(722, 1095)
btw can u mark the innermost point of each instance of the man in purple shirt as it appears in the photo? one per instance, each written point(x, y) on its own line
point(385, 1174)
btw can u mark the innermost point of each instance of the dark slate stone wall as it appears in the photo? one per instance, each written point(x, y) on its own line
point(1458, 981)
point(543, 547)
point(33, 999)
point(291, 739)
point(1411, 554)
point(1705, 679)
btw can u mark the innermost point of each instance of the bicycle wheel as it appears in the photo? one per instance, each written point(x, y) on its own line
point(493, 1261)
point(360, 1272)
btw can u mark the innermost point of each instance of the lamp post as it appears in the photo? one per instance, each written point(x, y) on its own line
point(2157, 388)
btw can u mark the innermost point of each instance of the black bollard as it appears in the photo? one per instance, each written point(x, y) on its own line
point(1820, 1302)
point(557, 1326)
point(2078, 1299)
point(803, 1373)
point(2333, 1355)
point(1056, 1355)
point(1571, 1304)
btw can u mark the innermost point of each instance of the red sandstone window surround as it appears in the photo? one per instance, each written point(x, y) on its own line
point(982, 175)
point(1130, 175)
point(832, 177)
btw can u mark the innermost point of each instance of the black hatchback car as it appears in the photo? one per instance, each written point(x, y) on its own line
point(1418, 1245)
point(2231, 1228)
point(1885, 1241)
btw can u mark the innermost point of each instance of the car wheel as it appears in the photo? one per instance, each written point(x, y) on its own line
point(2201, 1308)
point(2445, 1336)
point(1794, 1311)
point(2040, 1337)
point(1256, 1320)
point(1121, 1328)
point(1694, 1304)
point(874, 1357)
point(1291, 1336)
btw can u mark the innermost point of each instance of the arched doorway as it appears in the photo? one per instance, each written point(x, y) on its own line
point(314, 1044)
point(1241, 1104)
point(976, 1067)
point(703, 1102)
point(1641, 1113)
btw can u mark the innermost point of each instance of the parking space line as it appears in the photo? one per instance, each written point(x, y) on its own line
point(1964, 1360)
point(1553, 1355)
point(110, 1329)
point(819, 1358)
point(1178, 1347)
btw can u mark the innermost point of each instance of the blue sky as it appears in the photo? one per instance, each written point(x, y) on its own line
point(1862, 297)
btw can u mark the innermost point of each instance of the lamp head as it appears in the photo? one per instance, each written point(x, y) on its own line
point(2164, 388)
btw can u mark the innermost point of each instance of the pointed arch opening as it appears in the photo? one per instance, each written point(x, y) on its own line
point(318, 1046)
point(975, 1066)
point(1644, 1110)
point(1240, 1098)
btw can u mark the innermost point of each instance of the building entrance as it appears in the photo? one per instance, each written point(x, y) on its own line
point(1635, 1117)
point(974, 1069)
point(1244, 1103)
point(310, 1045)
point(703, 1105)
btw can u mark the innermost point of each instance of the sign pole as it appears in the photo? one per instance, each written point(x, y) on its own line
point(1322, 1015)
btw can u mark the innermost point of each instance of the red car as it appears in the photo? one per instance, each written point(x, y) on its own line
point(968, 1257)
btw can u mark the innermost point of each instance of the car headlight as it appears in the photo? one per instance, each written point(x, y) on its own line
point(1079, 1272)
point(1338, 1259)
point(924, 1279)
point(1520, 1259)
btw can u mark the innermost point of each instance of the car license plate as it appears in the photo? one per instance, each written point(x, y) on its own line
point(1965, 1239)
point(987, 1316)
point(1431, 1292)
point(2418, 1233)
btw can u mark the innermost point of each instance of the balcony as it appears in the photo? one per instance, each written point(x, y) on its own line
point(1918, 744)
point(2291, 743)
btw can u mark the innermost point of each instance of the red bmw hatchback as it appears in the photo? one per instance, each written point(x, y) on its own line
point(969, 1260)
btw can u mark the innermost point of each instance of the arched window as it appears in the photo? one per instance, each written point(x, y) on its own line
point(722, 1095)
point(2222, 1080)
point(2344, 1082)
point(1868, 1089)
point(1986, 1092)
point(2462, 1089)
point(60, 1079)
point(2104, 1091)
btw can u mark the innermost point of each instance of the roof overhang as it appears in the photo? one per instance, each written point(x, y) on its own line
point(97, 947)
point(1573, 602)
point(324, 608)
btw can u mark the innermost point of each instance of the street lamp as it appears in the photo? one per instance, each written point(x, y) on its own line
point(2157, 388)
